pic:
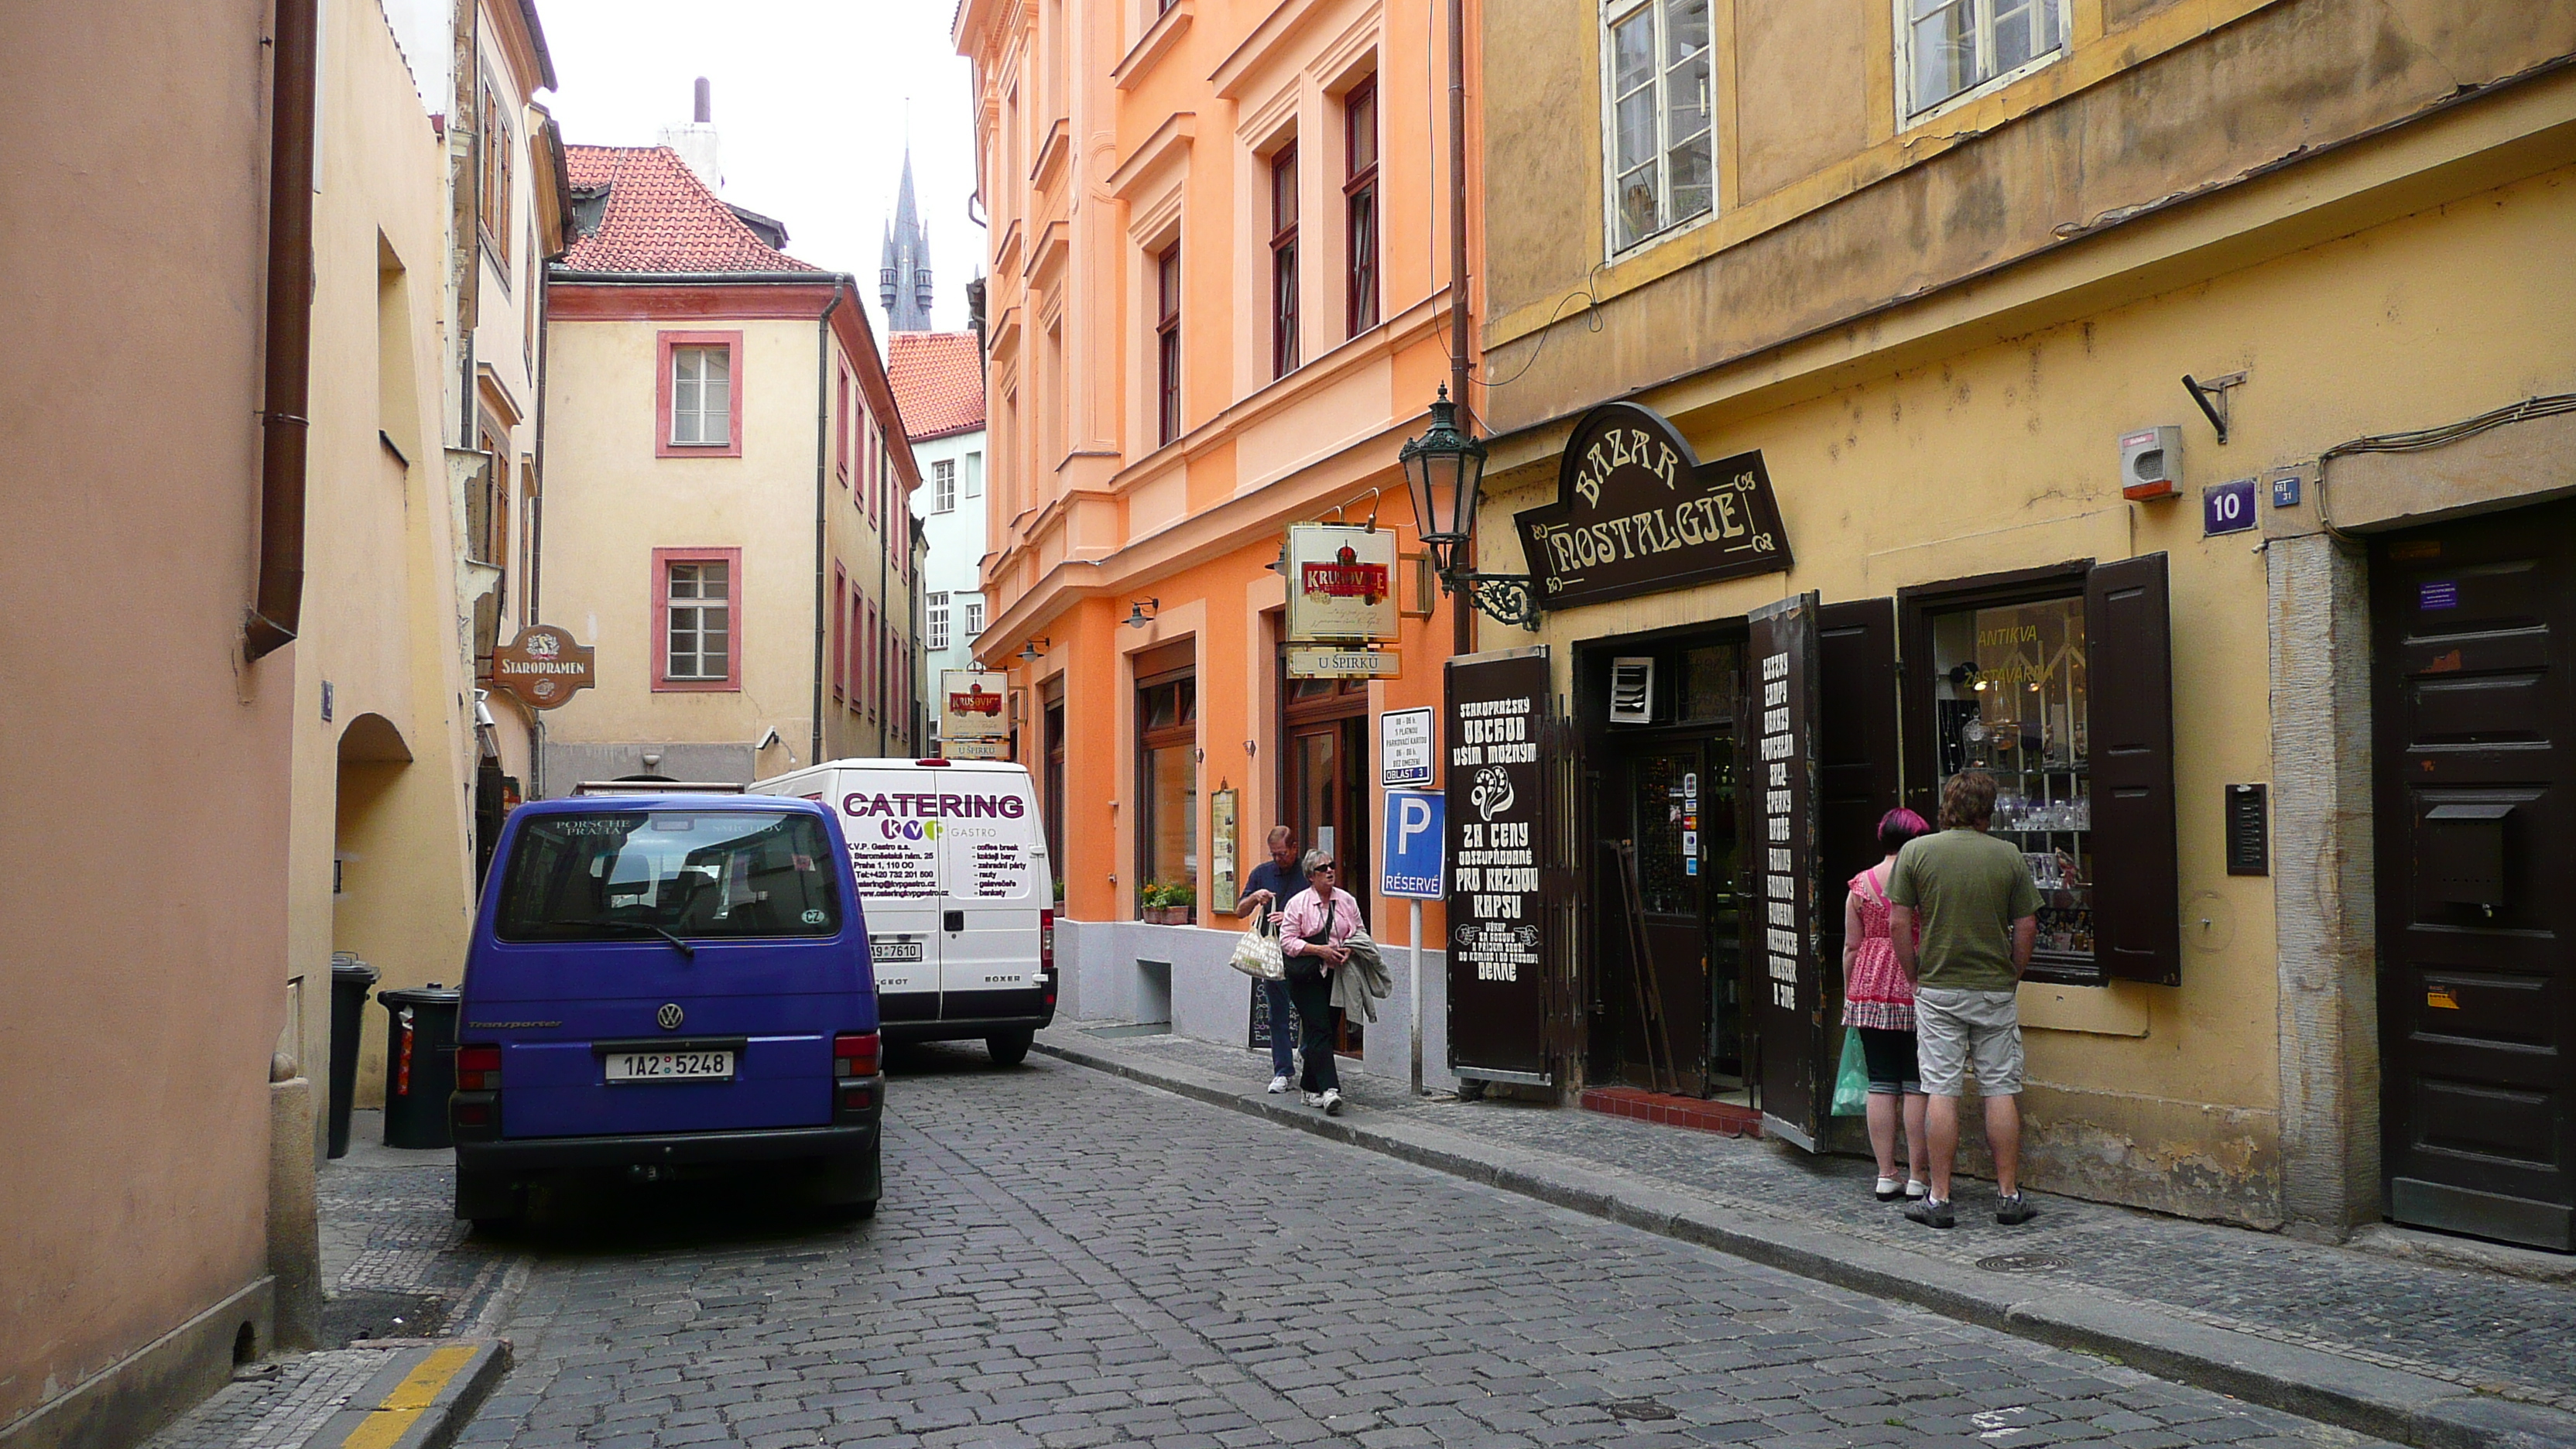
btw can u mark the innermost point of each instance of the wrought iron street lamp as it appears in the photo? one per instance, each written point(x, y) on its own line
point(1445, 469)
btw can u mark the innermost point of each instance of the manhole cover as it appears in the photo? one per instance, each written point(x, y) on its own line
point(1636, 1409)
point(2022, 1263)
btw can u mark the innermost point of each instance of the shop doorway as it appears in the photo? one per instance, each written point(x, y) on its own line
point(1666, 994)
point(1325, 788)
point(2473, 657)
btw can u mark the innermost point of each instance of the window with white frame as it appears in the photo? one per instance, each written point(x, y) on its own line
point(700, 621)
point(974, 475)
point(943, 485)
point(936, 613)
point(1954, 46)
point(974, 617)
point(701, 395)
point(1663, 158)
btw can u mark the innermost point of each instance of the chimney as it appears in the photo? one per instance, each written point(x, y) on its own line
point(696, 141)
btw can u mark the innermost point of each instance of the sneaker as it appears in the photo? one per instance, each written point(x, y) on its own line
point(1332, 1102)
point(1314, 1099)
point(1932, 1212)
point(1887, 1190)
point(1917, 1187)
point(2014, 1211)
point(1279, 1084)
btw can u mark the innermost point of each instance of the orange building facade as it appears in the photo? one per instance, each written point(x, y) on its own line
point(1217, 306)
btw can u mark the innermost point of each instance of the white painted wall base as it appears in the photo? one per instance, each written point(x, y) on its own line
point(1107, 972)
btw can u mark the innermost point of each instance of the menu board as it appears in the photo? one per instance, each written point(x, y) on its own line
point(1497, 713)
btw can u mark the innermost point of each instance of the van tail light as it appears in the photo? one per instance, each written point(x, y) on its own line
point(856, 1054)
point(478, 1069)
point(1046, 941)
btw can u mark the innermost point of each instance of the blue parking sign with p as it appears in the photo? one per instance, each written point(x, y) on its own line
point(1416, 836)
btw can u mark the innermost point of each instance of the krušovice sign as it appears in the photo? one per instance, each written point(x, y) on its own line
point(1341, 585)
point(971, 724)
point(543, 666)
point(1637, 512)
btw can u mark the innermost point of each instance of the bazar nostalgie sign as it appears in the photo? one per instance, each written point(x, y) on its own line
point(971, 722)
point(1637, 512)
point(1341, 584)
point(543, 666)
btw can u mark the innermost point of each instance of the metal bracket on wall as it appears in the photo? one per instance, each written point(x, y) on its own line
point(2212, 397)
point(1505, 598)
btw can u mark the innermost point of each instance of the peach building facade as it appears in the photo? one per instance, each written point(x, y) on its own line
point(1219, 280)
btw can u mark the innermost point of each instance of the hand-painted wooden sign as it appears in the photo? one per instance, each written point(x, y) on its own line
point(1637, 512)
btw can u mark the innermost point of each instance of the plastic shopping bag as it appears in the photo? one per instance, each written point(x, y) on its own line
point(1851, 1085)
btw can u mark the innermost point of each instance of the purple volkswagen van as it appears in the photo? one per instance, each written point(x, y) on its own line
point(666, 985)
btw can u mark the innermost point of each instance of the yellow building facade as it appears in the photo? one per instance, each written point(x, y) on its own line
point(727, 520)
point(1943, 286)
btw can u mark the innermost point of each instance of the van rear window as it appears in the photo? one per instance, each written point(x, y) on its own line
point(628, 874)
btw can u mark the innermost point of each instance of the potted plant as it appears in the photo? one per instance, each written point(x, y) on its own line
point(1149, 902)
point(1180, 900)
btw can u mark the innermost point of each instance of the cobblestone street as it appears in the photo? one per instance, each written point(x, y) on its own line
point(1068, 1259)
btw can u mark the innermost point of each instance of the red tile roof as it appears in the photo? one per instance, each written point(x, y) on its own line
point(938, 382)
point(661, 219)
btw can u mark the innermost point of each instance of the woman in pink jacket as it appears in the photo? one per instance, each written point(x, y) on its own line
point(1319, 920)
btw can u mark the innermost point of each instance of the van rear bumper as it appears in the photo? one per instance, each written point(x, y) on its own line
point(542, 1154)
point(964, 1028)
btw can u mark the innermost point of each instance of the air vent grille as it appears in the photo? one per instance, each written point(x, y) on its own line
point(1632, 691)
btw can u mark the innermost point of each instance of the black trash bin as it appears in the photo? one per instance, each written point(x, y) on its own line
point(420, 1064)
point(351, 980)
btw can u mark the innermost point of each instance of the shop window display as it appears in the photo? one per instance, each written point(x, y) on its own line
point(1168, 782)
point(2011, 697)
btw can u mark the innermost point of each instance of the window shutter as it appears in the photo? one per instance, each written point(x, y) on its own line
point(1856, 752)
point(2137, 931)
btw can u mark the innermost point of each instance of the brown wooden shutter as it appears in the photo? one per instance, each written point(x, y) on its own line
point(2137, 889)
point(1856, 755)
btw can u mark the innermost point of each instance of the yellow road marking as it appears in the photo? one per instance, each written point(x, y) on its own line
point(410, 1399)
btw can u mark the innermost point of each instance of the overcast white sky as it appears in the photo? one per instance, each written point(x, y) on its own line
point(810, 105)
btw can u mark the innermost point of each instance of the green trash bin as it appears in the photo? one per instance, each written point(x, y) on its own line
point(420, 1064)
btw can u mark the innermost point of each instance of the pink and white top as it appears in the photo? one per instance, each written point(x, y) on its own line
point(1877, 992)
point(1306, 918)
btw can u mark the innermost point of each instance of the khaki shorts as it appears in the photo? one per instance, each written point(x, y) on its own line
point(1953, 1028)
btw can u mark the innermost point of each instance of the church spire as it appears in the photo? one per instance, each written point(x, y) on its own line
point(903, 274)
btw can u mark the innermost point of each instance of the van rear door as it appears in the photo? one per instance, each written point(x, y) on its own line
point(995, 880)
point(895, 858)
point(659, 969)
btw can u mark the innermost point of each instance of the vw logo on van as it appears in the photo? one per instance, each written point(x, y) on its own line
point(669, 1016)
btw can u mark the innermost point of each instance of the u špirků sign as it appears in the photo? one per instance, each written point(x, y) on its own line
point(1636, 512)
point(543, 666)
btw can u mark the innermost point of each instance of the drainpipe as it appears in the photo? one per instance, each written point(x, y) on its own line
point(822, 504)
point(278, 610)
point(885, 557)
point(1461, 608)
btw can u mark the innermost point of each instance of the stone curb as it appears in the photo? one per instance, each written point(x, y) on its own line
point(420, 1399)
point(2389, 1403)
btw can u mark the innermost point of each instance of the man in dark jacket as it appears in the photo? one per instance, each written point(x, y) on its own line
point(1273, 884)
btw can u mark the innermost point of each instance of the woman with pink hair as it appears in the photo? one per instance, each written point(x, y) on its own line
point(1878, 1002)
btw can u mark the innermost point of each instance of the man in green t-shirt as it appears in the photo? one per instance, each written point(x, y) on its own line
point(1977, 910)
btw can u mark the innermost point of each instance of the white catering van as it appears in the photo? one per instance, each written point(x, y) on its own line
point(951, 867)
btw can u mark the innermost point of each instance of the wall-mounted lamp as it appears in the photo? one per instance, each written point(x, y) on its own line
point(1035, 649)
point(1445, 468)
point(1141, 612)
